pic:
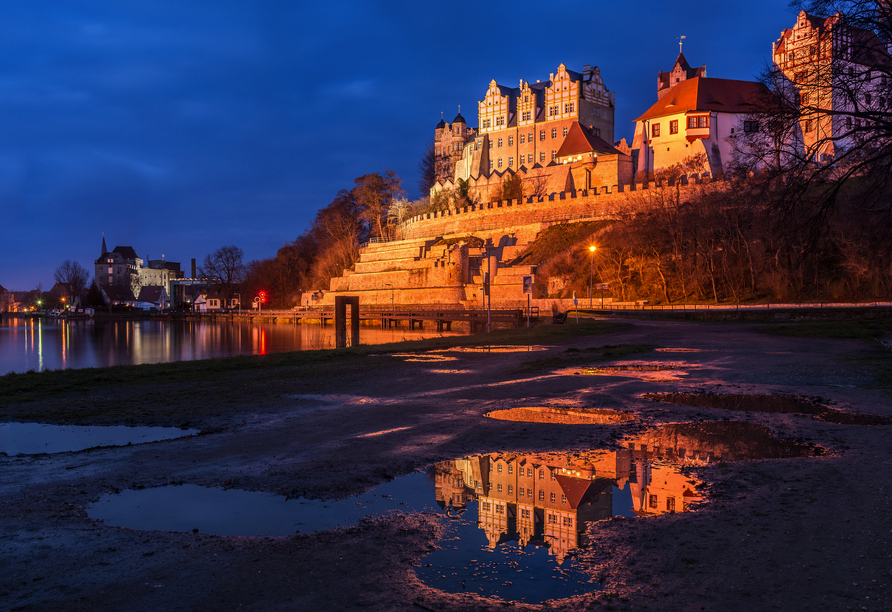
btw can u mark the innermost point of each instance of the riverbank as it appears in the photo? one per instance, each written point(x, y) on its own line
point(786, 533)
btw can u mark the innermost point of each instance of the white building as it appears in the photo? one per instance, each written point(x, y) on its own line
point(694, 116)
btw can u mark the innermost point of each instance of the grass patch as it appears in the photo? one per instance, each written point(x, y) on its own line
point(572, 357)
point(864, 329)
point(32, 386)
point(556, 239)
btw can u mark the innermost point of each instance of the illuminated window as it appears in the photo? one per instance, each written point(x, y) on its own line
point(563, 499)
point(529, 161)
point(500, 143)
point(553, 155)
point(499, 487)
point(521, 138)
point(510, 467)
point(529, 493)
point(500, 165)
point(541, 474)
point(520, 491)
point(542, 157)
point(499, 466)
point(673, 127)
point(542, 495)
point(530, 470)
point(510, 490)
point(554, 132)
point(541, 134)
point(551, 497)
point(511, 141)
point(565, 132)
point(655, 130)
point(510, 165)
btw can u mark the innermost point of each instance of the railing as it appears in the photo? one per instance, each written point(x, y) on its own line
point(783, 305)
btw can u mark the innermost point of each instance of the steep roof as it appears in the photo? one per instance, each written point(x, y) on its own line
point(118, 294)
point(127, 252)
point(709, 94)
point(583, 140)
point(459, 119)
point(441, 124)
point(682, 63)
point(574, 488)
point(151, 294)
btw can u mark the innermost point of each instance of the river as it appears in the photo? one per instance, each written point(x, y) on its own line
point(54, 344)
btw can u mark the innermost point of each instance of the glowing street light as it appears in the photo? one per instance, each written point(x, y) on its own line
point(591, 281)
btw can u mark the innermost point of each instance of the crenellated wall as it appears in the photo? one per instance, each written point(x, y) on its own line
point(444, 256)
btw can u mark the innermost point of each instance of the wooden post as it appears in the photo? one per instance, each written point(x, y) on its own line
point(340, 316)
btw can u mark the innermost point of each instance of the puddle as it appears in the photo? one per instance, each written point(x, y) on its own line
point(37, 438)
point(769, 403)
point(566, 416)
point(678, 350)
point(507, 348)
point(514, 522)
point(666, 372)
point(451, 371)
point(423, 357)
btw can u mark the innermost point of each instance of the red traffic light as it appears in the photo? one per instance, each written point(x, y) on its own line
point(262, 296)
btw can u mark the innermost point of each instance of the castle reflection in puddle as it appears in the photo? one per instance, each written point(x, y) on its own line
point(549, 499)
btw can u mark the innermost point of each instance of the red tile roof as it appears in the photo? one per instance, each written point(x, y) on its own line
point(583, 140)
point(574, 488)
point(708, 94)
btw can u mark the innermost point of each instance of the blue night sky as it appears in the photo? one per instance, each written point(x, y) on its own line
point(180, 127)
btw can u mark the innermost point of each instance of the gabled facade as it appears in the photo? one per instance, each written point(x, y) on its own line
point(681, 71)
point(122, 267)
point(520, 127)
point(832, 72)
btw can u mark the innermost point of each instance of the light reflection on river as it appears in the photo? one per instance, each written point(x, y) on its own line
point(54, 344)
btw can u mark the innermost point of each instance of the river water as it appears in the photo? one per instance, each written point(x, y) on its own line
point(54, 344)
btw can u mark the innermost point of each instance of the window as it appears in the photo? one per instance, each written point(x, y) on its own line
point(701, 121)
point(563, 499)
point(487, 123)
point(530, 137)
point(552, 519)
point(499, 487)
point(750, 126)
point(655, 130)
point(499, 465)
point(653, 502)
point(551, 496)
point(520, 491)
point(511, 141)
point(565, 132)
point(670, 504)
point(110, 270)
point(673, 126)
point(554, 132)
point(553, 110)
point(500, 509)
point(500, 143)
point(553, 476)
point(542, 157)
point(500, 165)
point(526, 115)
point(541, 134)
point(541, 495)
point(522, 136)
point(510, 165)
point(568, 522)
point(486, 506)
point(510, 489)
point(491, 144)
point(530, 493)
point(568, 108)
point(510, 467)
point(524, 513)
point(490, 164)
point(529, 161)
point(553, 157)
point(541, 474)
point(530, 470)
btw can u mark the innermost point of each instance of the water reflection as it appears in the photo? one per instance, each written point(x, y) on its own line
point(42, 344)
point(35, 438)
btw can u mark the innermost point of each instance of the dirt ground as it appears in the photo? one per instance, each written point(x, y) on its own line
point(786, 534)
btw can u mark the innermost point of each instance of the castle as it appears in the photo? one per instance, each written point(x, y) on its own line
point(556, 139)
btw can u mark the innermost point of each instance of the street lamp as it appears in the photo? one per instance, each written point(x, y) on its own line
point(591, 281)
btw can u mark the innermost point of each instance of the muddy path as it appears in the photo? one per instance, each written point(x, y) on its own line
point(791, 533)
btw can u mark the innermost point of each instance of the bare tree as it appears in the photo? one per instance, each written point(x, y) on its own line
point(427, 169)
point(74, 277)
point(224, 266)
point(374, 194)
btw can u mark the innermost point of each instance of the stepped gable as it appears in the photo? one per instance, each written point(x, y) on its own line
point(709, 94)
point(583, 140)
point(681, 71)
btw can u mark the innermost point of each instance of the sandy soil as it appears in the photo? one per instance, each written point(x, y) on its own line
point(791, 534)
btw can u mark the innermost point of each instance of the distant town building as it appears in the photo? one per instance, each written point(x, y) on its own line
point(694, 118)
point(122, 268)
